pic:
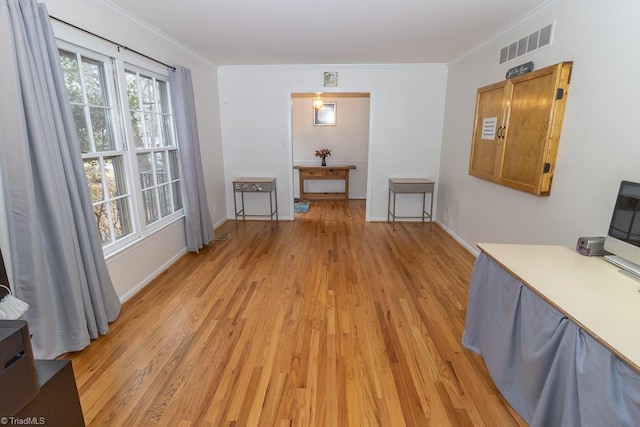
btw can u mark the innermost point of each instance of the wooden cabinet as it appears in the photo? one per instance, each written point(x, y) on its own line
point(517, 129)
point(324, 172)
point(328, 173)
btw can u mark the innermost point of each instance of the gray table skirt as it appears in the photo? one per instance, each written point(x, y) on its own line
point(550, 371)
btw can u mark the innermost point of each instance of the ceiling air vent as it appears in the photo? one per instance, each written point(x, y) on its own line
point(534, 41)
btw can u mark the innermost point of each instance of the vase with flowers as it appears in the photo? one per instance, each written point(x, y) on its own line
point(323, 153)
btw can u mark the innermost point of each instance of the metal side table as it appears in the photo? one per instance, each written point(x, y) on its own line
point(410, 186)
point(255, 185)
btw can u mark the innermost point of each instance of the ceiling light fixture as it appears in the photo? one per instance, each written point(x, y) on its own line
point(317, 100)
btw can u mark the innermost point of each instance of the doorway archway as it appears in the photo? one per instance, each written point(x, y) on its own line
point(348, 139)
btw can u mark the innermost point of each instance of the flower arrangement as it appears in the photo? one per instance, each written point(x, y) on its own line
point(323, 153)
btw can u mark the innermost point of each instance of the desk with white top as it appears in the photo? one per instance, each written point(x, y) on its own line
point(559, 333)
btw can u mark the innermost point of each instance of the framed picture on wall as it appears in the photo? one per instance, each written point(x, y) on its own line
point(331, 78)
point(325, 115)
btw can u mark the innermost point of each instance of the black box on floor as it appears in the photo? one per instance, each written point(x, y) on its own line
point(57, 403)
point(18, 378)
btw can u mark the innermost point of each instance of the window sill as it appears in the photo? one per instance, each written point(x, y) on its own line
point(130, 247)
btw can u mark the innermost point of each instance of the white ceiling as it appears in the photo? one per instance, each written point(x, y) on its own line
point(259, 32)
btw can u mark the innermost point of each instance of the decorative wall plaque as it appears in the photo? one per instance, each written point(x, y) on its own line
point(331, 78)
point(519, 70)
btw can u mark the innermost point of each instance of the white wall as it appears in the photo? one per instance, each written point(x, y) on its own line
point(134, 267)
point(406, 106)
point(600, 142)
point(348, 140)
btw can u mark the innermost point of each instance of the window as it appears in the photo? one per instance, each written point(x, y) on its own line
point(156, 153)
point(102, 151)
point(123, 119)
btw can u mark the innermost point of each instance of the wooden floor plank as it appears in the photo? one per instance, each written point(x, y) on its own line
point(323, 321)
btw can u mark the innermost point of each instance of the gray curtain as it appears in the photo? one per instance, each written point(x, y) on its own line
point(56, 256)
point(198, 225)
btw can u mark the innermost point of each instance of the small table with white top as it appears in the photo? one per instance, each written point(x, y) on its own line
point(422, 186)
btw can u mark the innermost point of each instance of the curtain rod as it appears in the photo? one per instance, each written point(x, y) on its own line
point(120, 46)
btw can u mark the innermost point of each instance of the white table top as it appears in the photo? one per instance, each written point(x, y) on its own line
point(410, 181)
point(588, 290)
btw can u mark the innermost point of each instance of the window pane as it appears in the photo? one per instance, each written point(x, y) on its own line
point(150, 124)
point(148, 94)
point(162, 174)
point(94, 81)
point(82, 131)
point(177, 196)
point(137, 124)
point(115, 177)
point(69, 64)
point(102, 132)
point(145, 169)
point(100, 211)
point(138, 129)
point(163, 94)
point(167, 131)
point(165, 200)
point(175, 165)
point(94, 178)
point(121, 222)
point(132, 91)
point(150, 207)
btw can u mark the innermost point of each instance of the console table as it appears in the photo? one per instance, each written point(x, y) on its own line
point(265, 185)
point(324, 172)
point(558, 332)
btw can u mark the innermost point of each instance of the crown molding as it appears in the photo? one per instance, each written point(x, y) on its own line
point(334, 67)
point(133, 19)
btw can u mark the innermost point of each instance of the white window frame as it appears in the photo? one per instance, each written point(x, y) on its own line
point(116, 62)
point(134, 151)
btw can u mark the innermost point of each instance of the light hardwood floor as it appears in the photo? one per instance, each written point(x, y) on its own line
point(322, 321)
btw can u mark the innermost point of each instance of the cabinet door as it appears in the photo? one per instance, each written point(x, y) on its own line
point(530, 148)
point(527, 112)
point(486, 151)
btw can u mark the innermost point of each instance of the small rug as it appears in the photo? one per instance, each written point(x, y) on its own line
point(302, 207)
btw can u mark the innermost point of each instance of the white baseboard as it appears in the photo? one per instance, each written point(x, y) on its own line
point(144, 282)
point(474, 250)
point(220, 223)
